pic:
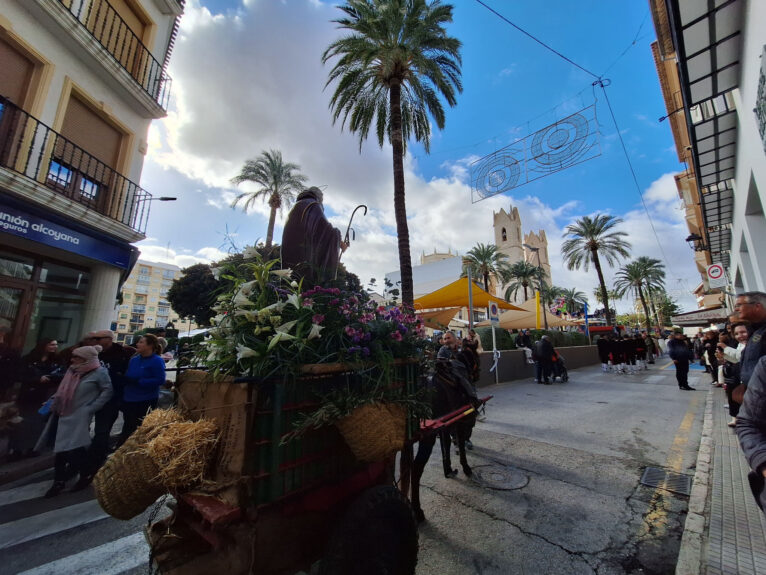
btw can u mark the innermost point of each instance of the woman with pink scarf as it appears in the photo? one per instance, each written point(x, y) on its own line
point(86, 387)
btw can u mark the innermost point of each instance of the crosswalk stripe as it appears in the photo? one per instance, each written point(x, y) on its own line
point(23, 493)
point(110, 558)
point(50, 522)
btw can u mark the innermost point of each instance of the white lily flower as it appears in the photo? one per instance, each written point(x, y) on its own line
point(294, 300)
point(280, 336)
point(247, 288)
point(240, 300)
point(283, 273)
point(216, 272)
point(315, 329)
point(294, 284)
point(250, 252)
point(244, 352)
point(276, 307)
point(286, 327)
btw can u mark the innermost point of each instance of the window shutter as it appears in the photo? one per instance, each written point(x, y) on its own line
point(15, 73)
point(86, 129)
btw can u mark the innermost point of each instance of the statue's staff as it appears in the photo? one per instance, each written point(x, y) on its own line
point(347, 240)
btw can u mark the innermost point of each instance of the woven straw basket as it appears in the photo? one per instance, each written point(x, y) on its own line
point(375, 431)
point(127, 483)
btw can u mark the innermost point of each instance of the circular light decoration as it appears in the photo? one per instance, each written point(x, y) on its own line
point(562, 143)
point(496, 174)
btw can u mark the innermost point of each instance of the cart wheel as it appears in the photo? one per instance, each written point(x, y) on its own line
point(377, 536)
point(564, 376)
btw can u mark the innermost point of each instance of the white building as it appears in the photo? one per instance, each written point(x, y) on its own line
point(717, 49)
point(80, 83)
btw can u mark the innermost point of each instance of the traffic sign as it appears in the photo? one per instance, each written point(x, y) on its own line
point(494, 312)
point(716, 276)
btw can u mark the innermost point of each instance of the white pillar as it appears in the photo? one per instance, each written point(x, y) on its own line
point(102, 296)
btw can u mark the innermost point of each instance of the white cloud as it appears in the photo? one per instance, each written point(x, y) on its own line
point(182, 259)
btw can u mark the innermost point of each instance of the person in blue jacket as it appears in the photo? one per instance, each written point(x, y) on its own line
point(143, 378)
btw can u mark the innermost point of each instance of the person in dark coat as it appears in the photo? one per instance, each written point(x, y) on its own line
point(751, 306)
point(751, 430)
point(543, 360)
point(43, 372)
point(311, 246)
point(679, 352)
point(602, 344)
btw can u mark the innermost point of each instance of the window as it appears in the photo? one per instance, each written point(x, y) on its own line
point(17, 73)
point(143, 280)
point(168, 274)
point(140, 289)
point(126, 296)
point(505, 235)
point(123, 316)
point(151, 308)
point(122, 327)
point(144, 271)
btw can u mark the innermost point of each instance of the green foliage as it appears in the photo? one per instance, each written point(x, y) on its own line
point(503, 338)
point(522, 275)
point(484, 261)
point(194, 293)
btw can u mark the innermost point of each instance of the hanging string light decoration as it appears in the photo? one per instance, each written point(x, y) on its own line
point(561, 145)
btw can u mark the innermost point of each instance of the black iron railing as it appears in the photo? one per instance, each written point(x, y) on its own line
point(110, 30)
point(34, 150)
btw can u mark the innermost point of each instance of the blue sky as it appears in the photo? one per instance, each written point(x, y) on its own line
point(248, 77)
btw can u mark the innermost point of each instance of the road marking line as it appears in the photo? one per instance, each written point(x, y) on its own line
point(110, 558)
point(23, 493)
point(50, 522)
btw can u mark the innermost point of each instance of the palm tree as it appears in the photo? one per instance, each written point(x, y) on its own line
point(548, 294)
point(654, 281)
point(631, 277)
point(391, 69)
point(279, 181)
point(485, 261)
point(522, 274)
point(590, 237)
point(573, 299)
point(612, 294)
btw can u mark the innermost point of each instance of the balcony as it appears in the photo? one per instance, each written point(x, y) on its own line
point(50, 162)
point(96, 26)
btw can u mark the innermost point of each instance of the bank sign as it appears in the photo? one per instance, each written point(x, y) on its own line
point(37, 229)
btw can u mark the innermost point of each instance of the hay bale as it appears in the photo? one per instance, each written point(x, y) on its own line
point(154, 422)
point(182, 452)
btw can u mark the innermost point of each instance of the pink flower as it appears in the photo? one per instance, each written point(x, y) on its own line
point(317, 318)
point(350, 331)
point(308, 302)
point(396, 336)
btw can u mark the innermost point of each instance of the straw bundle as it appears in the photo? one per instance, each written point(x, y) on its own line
point(182, 452)
point(154, 422)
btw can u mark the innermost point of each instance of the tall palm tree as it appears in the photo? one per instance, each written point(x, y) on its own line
point(548, 294)
point(279, 181)
point(654, 281)
point(522, 274)
point(573, 299)
point(630, 277)
point(591, 238)
point(391, 69)
point(485, 261)
point(612, 294)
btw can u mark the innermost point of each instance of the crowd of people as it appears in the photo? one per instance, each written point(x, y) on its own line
point(627, 354)
point(69, 400)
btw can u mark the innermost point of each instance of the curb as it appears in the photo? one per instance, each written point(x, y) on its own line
point(690, 553)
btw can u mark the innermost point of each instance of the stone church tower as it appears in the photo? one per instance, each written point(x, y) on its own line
point(510, 241)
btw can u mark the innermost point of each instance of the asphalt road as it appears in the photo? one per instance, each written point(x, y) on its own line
point(573, 453)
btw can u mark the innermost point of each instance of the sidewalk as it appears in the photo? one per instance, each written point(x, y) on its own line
point(725, 532)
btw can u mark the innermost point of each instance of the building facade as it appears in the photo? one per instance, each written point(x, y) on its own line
point(144, 301)
point(80, 83)
point(711, 63)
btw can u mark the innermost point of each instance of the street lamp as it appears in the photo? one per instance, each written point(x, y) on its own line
point(539, 265)
point(665, 117)
point(163, 199)
point(696, 242)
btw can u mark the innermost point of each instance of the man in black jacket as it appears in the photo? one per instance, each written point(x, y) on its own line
point(751, 430)
point(543, 360)
point(679, 352)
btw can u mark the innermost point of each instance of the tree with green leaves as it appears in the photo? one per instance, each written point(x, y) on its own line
point(630, 277)
point(573, 299)
point(522, 274)
point(484, 261)
point(589, 239)
point(613, 295)
point(548, 295)
point(278, 183)
point(193, 293)
point(654, 281)
point(390, 71)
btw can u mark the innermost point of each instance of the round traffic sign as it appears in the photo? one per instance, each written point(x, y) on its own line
point(715, 271)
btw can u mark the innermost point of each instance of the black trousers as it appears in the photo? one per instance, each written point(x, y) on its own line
point(67, 464)
point(733, 405)
point(104, 421)
point(133, 413)
point(682, 373)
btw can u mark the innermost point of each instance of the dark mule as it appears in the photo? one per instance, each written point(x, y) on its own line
point(450, 390)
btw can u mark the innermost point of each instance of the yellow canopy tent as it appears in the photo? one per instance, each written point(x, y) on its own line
point(526, 318)
point(456, 295)
point(438, 319)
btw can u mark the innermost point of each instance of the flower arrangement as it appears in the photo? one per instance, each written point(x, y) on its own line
point(268, 325)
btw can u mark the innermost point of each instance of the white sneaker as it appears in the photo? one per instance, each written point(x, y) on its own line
point(733, 422)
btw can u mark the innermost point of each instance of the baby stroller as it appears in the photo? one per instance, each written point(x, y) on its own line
point(559, 368)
